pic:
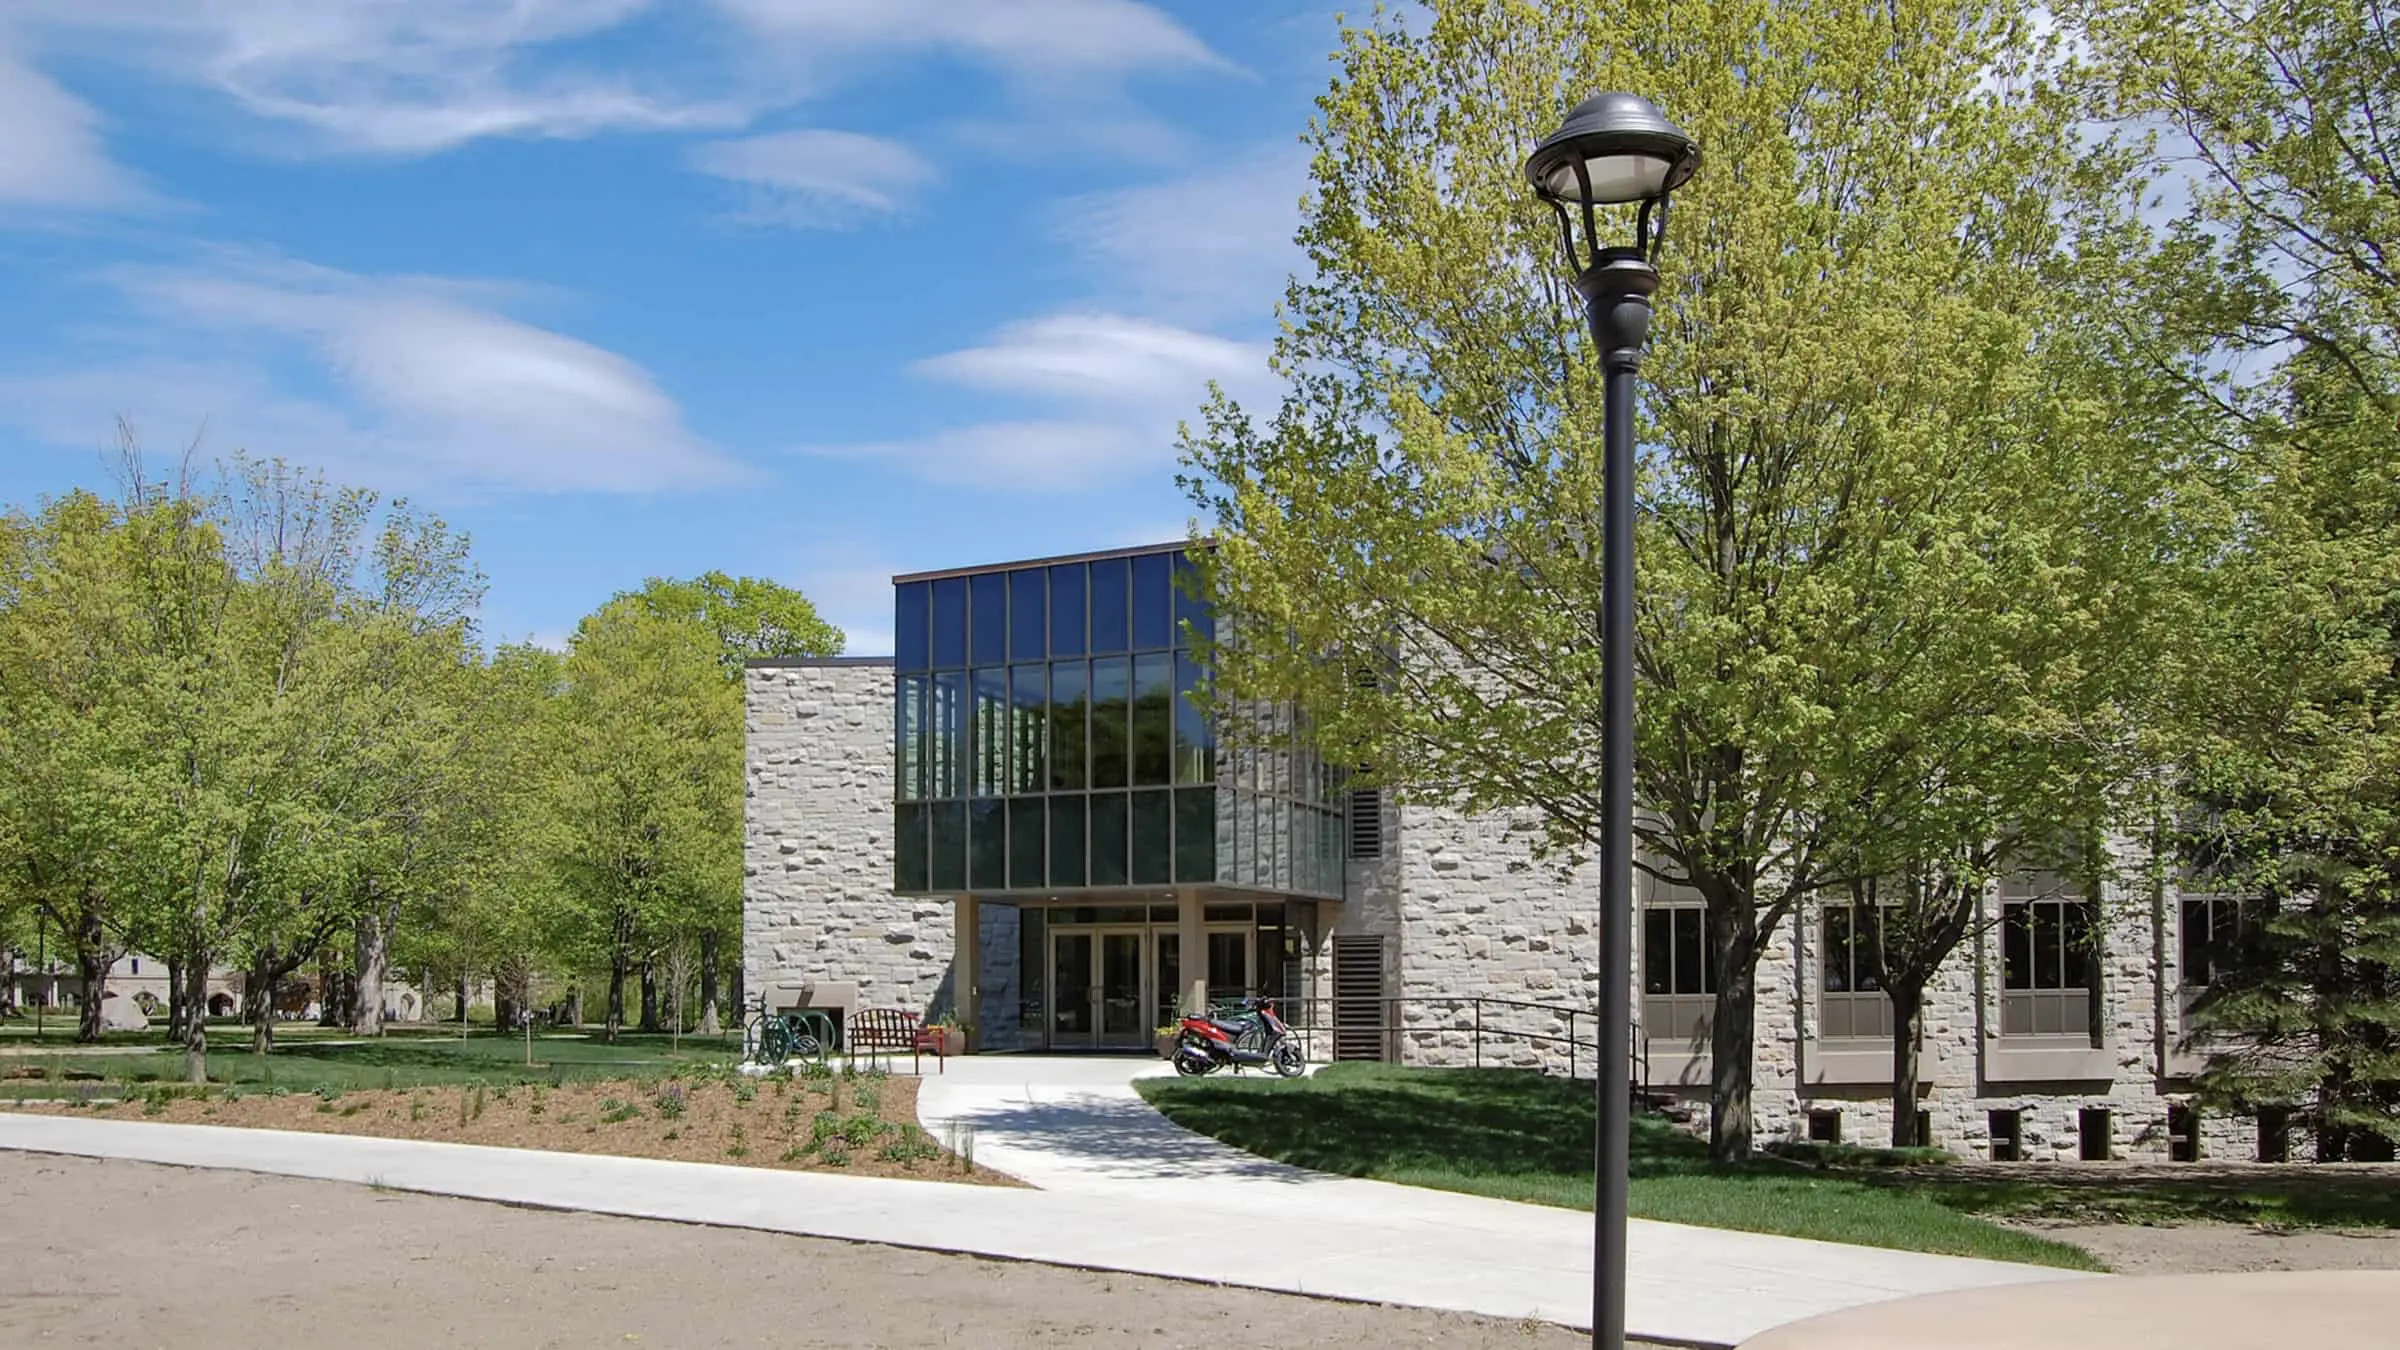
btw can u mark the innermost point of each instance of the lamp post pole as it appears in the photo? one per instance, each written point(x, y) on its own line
point(1616, 294)
point(1614, 150)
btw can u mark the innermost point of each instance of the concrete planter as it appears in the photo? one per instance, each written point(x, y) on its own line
point(954, 1040)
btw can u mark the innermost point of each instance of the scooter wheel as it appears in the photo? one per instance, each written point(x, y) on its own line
point(1287, 1060)
point(1189, 1067)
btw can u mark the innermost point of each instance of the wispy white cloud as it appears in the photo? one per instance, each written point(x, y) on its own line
point(51, 152)
point(387, 76)
point(428, 386)
point(816, 177)
point(1213, 245)
point(1026, 39)
point(1116, 388)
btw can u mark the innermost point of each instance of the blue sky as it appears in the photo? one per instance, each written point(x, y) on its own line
point(820, 290)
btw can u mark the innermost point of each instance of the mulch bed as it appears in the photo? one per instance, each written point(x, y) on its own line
point(864, 1126)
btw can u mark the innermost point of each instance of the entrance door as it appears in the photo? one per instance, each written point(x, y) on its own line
point(1097, 994)
point(1073, 1009)
point(1229, 973)
point(1122, 1004)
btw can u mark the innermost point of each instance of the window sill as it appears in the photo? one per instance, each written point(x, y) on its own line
point(2047, 1059)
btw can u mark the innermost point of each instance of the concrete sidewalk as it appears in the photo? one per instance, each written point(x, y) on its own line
point(1127, 1191)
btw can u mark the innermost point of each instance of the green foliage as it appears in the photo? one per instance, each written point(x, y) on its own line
point(1896, 531)
point(2276, 312)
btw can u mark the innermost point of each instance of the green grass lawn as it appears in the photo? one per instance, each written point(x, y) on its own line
point(303, 1065)
point(1522, 1136)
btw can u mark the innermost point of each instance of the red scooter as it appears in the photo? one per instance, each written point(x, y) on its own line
point(1254, 1038)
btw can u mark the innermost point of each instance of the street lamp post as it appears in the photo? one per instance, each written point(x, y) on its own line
point(1614, 150)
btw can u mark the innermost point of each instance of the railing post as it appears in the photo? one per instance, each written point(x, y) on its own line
point(1478, 1032)
point(1570, 1045)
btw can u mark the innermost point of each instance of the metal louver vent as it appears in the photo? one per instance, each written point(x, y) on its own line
point(1358, 1006)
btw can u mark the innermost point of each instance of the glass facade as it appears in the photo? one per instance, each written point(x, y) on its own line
point(1046, 740)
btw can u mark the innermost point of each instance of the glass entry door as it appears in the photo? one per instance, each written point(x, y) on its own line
point(1098, 996)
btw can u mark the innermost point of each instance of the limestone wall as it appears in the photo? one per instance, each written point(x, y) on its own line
point(817, 902)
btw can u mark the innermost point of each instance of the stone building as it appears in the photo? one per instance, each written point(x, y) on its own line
point(1025, 772)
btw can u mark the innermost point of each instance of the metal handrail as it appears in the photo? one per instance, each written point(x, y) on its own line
point(1301, 1014)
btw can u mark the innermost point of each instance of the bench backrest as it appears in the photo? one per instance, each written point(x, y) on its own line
point(892, 1027)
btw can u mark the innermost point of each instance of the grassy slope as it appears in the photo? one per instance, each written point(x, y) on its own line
point(1522, 1136)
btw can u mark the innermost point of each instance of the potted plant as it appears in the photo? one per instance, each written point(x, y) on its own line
point(953, 1036)
point(1167, 1036)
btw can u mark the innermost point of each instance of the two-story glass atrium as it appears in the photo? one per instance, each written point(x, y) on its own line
point(1053, 757)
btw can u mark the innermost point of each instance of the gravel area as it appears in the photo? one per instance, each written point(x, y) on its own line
point(118, 1254)
point(2218, 1248)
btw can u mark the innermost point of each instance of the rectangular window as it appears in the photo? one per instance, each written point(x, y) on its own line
point(1027, 843)
point(914, 737)
point(2215, 928)
point(1153, 838)
point(1853, 1004)
point(1195, 622)
point(2274, 1134)
point(1070, 725)
point(1028, 615)
point(1195, 740)
point(948, 717)
point(950, 623)
point(1825, 1126)
point(987, 611)
point(991, 732)
point(2092, 1130)
point(1067, 833)
point(1195, 835)
point(947, 870)
point(1153, 601)
point(1112, 606)
point(1677, 987)
point(2183, 1132)
point(1111, 720)
point(912, 626)
point(1028, 729)
point(2047, 930)
point(1153, 719)
point(1067, 609)
point(2008, 1135)
point(987, 846)
point(1109, 842)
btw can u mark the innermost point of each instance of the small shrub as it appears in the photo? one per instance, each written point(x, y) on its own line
point(670, 1102)
point(329, 1094)
point(479, 1101)
point(740, 1147)
point(416, 1109)
point(619, 1113)
point(745, 1092)
point(861, 1129)
point(816, 1071)
point(792, 1155)
point(867, 1097)
point(908, 1147)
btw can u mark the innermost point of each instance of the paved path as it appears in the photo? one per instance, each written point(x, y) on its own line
point(1076, 1127)
point(1125, 1191)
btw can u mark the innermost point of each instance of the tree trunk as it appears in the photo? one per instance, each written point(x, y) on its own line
point(615, 1021)
point(179, 1007)
point(465, 992)
point(708, 984)
point(371, 947)
point(739, 994)
point(1908, 1037)
point(91, 962)
point(262, 1003)
point(195, 1021)
point(1733, 952)
point(650, 994)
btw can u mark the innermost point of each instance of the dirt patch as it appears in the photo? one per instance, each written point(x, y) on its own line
point(233, 1261)
point(2225, 1248)
point(864, 1126)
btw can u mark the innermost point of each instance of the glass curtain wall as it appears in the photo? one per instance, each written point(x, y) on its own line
point(1046, 739)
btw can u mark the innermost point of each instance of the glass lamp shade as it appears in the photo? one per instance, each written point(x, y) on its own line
point(1628, 151)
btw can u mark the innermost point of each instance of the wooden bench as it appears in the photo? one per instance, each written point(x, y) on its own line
point(881, 1031)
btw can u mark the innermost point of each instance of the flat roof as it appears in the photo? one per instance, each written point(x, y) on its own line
point(1138, 550)
point(783, 662)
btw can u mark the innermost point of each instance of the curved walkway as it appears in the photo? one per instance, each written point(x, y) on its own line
point(1077, 1127)
point(1123, 1190)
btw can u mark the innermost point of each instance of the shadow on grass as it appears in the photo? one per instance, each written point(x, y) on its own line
point(1522, 1136)
point(2362, 1195)
point(400, 1061)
